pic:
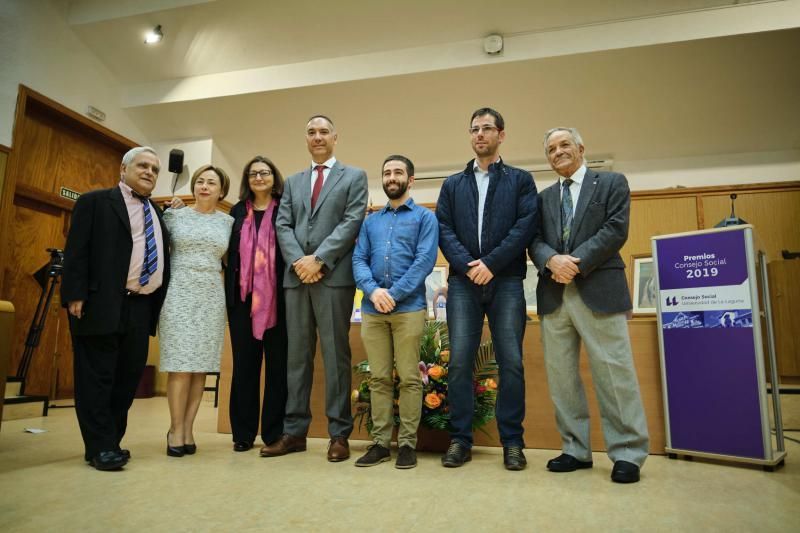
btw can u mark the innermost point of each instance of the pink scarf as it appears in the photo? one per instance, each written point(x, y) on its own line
point(257, 269)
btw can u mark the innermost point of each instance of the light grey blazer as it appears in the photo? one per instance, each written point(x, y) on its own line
point(599, 230)
point(330, 230)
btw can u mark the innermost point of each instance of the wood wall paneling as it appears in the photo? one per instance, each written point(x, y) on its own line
point(3, 164)
point(774, 214)
point(785, 298)
point(650, 217)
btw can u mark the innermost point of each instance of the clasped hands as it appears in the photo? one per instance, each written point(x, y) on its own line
point(479, 273)
point(383, 301)
point(307, 269)
point(564, 268)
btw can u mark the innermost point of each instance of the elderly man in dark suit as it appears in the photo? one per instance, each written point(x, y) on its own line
point(582, 296)
point(318, 220)
point(116, 269)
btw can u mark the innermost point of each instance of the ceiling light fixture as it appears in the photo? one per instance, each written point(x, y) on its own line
point(154, 36)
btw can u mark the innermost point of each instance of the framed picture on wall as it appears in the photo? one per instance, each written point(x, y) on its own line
point(644, 285)
point(436, 293)
point(529, 287)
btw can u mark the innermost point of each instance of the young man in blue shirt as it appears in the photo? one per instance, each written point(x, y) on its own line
point(395, 252)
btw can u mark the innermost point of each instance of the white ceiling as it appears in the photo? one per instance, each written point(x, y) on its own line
point(225, 35)
point(719, 95)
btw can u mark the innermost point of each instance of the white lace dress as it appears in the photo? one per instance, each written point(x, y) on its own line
point(191, 328)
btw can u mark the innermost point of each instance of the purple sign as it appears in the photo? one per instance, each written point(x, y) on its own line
point(709, 358)
point(705, 260)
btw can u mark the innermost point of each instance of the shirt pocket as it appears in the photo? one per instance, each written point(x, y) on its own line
point(407, 231)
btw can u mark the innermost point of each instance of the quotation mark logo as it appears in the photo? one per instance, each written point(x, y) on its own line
point(672, 301)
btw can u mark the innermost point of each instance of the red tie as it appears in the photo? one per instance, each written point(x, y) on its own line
point(317, 185)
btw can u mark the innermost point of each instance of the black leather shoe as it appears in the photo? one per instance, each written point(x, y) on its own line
point(513, 458)
point(625, 472)
point(108, 461)
point(123, 452)
point(567, 463)
point(406, 457)
point(457, 454)
point(174, 451)
point(376, 454)
point(190, 449)
point(242, 446)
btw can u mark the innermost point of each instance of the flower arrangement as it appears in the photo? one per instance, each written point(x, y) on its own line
point(434, 355)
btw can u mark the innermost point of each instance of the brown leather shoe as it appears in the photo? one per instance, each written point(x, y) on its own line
point(338, 450)
point(286, 444)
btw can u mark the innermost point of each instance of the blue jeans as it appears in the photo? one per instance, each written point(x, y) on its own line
point(502, 301)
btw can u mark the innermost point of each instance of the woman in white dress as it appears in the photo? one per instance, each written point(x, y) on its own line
point(192, 322)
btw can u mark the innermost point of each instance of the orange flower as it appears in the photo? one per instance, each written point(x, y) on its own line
point(436, 372)
point(444, 356)
point(432, 400)
point(490, 384)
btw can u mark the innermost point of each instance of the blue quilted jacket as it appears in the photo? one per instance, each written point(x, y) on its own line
point(509, 220)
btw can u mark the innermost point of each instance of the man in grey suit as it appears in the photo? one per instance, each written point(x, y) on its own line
point(583, 295)
point(320, 215)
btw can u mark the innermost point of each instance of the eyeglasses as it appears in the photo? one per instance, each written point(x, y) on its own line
point(476, 130)
point(261, 174)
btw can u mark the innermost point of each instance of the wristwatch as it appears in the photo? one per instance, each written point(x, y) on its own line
point(319, 260)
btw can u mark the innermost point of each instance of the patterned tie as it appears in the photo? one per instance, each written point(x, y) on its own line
point(317, 185)
point(150, 250)
point(566, 212)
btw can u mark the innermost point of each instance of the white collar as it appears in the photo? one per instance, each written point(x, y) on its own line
point(327, 164)
point(577, 176)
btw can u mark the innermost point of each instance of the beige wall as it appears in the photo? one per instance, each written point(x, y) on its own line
point(39, 49)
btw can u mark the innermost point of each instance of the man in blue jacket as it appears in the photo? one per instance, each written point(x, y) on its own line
point(487, 218)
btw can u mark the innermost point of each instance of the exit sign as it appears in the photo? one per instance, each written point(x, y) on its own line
point(69, 193)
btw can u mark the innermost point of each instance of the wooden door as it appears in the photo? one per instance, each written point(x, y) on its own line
point(54, 147)
point(38, 226)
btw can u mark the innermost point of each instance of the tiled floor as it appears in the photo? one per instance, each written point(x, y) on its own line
point(46, 486)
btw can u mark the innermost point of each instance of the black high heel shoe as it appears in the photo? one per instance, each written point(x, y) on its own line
point(174, 451)
point(190, 449)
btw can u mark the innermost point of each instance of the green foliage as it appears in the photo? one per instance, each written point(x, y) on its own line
point(434, 355)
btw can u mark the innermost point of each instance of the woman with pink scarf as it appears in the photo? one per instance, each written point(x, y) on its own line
point(256, 309)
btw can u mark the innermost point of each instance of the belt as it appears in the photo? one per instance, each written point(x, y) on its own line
point(130, 293)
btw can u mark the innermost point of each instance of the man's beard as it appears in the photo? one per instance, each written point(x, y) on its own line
point(397, 193)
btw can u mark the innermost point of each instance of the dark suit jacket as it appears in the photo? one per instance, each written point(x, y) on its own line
point(599, 230)
point(330, 230)
point(96, 260)
point(239, 212)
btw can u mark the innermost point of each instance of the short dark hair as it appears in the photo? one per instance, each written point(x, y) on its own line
point(403, 159)
point(246, 193)
point(323, 117)
point(498, 118)
point(225, 181)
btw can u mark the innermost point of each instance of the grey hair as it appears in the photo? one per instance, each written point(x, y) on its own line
point(131, 154)
point(572, 131)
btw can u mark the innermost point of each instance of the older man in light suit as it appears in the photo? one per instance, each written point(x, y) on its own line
point(319, 218)
point(583, 296)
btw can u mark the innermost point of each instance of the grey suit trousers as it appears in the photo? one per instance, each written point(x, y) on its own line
point(308, 308)
point(613, 374)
